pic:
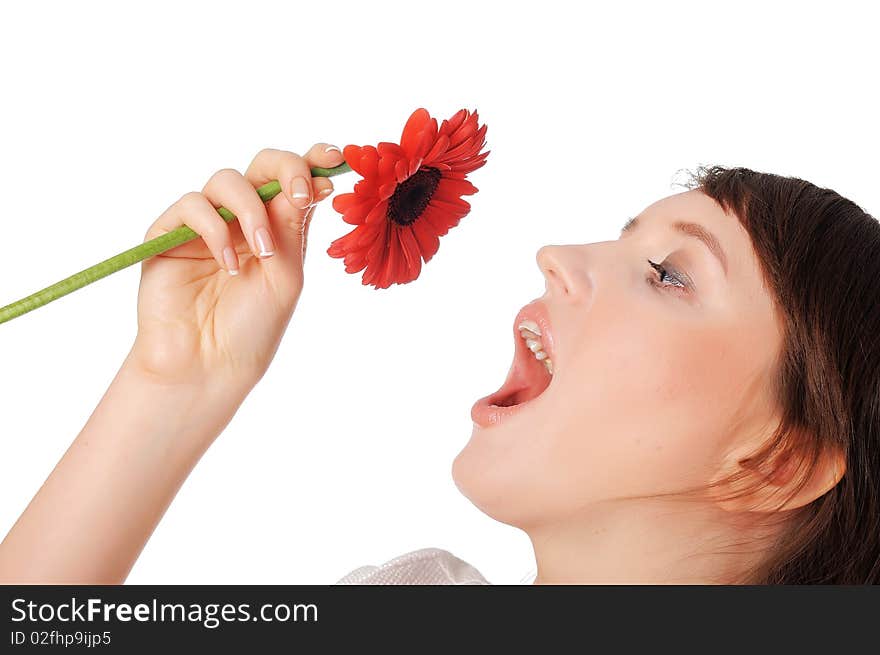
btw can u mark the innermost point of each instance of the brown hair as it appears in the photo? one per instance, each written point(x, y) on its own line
point(819, 255)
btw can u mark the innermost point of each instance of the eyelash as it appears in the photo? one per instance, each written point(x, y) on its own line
point(657, 281)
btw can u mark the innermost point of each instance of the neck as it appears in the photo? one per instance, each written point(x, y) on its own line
point(643, 542)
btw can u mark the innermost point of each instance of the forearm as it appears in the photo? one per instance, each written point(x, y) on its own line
point(91, 518)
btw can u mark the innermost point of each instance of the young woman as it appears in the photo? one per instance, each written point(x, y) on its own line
point(697, 401)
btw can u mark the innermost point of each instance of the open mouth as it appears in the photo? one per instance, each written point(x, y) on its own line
point(531, 372)
point(529, 375)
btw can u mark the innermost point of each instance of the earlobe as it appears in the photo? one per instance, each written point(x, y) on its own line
point(774, 486)
point(830, 468)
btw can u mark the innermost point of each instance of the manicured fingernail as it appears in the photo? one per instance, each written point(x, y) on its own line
point(324, 192)
point(299, 191)
point(231, 260)
point(264, 242)
point(329, 148)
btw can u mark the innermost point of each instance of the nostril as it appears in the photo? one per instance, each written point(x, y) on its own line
point(560, 282)
point(545, 259)
point(561, 272)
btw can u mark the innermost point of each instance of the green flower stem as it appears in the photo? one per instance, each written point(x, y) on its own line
point(131, 256)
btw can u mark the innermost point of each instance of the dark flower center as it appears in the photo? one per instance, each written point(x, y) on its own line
point(412, 195)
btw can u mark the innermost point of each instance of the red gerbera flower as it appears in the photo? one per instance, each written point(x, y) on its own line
point(409, 197)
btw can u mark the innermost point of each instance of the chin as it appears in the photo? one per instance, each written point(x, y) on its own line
point(489, 476)
point(469, 472)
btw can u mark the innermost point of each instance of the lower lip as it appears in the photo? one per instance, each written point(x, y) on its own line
point(486, 415)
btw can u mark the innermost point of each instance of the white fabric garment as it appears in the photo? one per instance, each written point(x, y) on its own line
point(428, 566)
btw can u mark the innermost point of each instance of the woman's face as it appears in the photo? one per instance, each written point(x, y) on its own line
point(656, 375)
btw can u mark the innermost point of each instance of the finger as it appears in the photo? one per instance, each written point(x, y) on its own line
point(195, 211)
point(323, 188)
point(324, 155)
point(292, 172)
point(228, 188)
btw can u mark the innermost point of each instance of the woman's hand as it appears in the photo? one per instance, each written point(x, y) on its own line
point(198, 324)
point(204, 339)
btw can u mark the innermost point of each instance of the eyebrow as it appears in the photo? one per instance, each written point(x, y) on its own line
point(692, 230)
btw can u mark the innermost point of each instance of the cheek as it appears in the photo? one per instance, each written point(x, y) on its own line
point(645, 408)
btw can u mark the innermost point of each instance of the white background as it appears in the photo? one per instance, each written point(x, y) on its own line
point(342, 454)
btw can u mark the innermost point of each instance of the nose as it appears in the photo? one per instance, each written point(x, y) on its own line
point(563, 270)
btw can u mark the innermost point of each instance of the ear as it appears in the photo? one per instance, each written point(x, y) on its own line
point(777, 479)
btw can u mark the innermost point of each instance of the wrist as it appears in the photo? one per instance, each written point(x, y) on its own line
point(159, 371)
point(189, 414)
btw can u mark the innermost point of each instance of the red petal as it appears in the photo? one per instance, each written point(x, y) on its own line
point(480, 136)
point(385, 170)
point(455, 206)
point(388, 149)
point(385, 268)
point(344, 200)
point(411, 136)
point(439, 221)
point(429, 136)
point(366, 188)
point(412, 251)
point(366, 237)
point(401, 170)
point(363, 160)
point(449, 126)
point(460, 130)
point(368, 271)
point(449, 187)
point(358, 214)
point(376, 256)
point(437, 150)
point(464, 150)
point(414, 166)
point(354, 261)
point(387, 190)
point(390, 264)
point(339, 247)
point(352, 155)
point(469, 165)
point(378, 213)
point(428, 240)
point(400, 269)
point(376, 251)
point(463, 139)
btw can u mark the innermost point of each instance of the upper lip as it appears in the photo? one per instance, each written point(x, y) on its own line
point(538, 312)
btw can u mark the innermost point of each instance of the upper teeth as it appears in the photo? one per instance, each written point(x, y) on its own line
point(530, 331)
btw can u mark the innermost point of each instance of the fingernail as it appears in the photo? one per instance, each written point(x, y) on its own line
point(264, 242)
point(329, 148)
point(231, 260)
point(324, 192)
point(299, 191)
